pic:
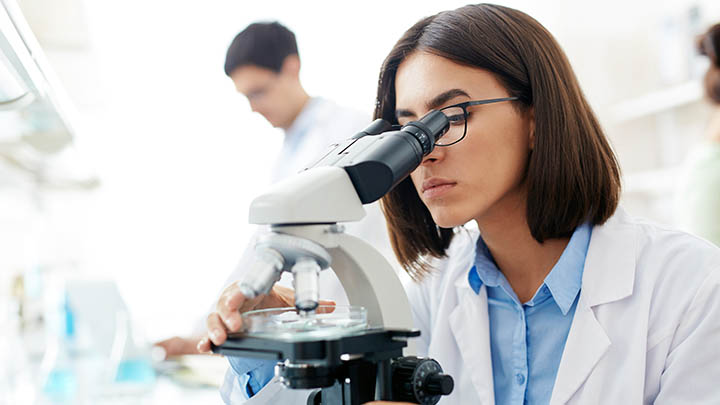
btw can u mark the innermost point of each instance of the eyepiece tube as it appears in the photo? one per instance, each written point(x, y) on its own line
point(376, 164)
point(264, 273)
point(376, 127)
point(428, 129)
point(437, 124)
point(306, 273)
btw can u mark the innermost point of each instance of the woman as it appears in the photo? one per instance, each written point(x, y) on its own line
point(564, 296)
point(561, 297)
point(699, 192)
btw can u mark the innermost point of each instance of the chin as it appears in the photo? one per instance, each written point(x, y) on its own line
point(448, 219)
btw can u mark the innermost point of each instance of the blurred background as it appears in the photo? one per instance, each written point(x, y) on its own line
point(128, 160)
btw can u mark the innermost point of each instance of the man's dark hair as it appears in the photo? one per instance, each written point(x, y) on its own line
point(261, 44)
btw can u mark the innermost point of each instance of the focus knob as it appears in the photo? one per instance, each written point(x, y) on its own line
point(439, 384)
point(419, 380)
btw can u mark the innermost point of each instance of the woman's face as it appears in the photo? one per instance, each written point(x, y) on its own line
point(483, 175)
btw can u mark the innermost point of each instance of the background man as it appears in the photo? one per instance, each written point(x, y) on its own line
point(264, 65)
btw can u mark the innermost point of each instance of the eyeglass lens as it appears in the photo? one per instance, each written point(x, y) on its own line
point(456, 116)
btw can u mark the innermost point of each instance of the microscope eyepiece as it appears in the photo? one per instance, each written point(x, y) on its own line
point(428, 129)
point(378, 158)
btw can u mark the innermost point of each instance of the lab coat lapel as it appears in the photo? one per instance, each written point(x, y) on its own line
point(470, 326)
point(608, 276)
point(587, 342)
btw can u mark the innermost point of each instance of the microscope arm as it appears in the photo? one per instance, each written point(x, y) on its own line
point(367, 277)
point(314, 197)
point(356, 172)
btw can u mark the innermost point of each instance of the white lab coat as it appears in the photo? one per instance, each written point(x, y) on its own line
point(646, 328)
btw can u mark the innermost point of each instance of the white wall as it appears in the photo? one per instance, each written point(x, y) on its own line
point(179, 154)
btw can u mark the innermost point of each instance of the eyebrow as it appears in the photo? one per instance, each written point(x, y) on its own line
point(437, 101)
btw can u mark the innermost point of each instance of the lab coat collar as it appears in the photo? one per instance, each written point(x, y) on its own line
point(470, 326)
point(608, 276)
point(563, 281)
point(609, 273)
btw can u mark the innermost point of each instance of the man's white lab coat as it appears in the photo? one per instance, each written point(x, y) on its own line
point(646, 329)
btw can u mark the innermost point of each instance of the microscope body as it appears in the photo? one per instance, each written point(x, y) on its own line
point(298, 211)
point(305, 237)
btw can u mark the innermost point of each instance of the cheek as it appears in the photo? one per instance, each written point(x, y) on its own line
point(502, 166)
point(490, 166)
point(416, 178)
point(257, 105)
point(504, 150)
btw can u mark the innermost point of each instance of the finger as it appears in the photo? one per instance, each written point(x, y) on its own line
point(232, 298)
point(216, 329)
point(325, 307)
point(203, 345)
point(250, 304)
point(279, 297)
point(228, 305)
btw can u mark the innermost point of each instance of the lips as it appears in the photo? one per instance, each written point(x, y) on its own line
point(436, 186)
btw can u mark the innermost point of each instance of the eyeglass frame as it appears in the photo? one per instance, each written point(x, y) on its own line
point(465, 105)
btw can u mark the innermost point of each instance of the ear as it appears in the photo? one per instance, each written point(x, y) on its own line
point(531, 128)
point(291, 66)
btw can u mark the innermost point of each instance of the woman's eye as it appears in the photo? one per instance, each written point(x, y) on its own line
point(456, 119)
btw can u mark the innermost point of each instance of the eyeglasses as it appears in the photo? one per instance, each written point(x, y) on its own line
point(259, 92)
point(458, 114)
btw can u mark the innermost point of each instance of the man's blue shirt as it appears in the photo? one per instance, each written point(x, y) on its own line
point(527, 339)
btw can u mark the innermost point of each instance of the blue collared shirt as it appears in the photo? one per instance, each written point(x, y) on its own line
point(252, 375)
point(527, 339)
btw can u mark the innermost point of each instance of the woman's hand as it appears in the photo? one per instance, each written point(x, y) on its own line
point(232, 303)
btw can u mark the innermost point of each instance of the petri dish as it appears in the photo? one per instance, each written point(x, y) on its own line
point(326, 322)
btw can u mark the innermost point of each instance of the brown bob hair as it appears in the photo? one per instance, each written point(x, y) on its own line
point(572, 176)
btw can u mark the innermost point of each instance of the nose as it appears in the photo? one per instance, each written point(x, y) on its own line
point(435, 156)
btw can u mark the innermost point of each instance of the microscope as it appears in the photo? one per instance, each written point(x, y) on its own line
point(305, 238)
